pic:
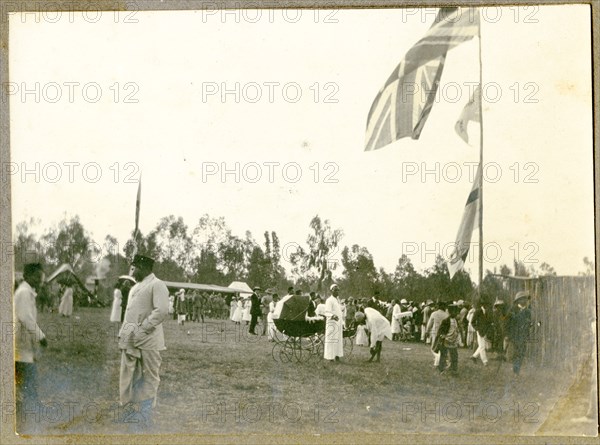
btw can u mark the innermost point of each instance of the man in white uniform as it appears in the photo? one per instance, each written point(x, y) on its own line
point(28, 336)
point(141, 339)
point(334, 334)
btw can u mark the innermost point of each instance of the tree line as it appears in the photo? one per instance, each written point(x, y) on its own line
point(211, 253)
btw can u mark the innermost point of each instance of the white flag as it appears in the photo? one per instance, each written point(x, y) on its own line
point(469, 113)
point(470, 221)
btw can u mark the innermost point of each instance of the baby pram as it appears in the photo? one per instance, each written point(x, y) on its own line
point(298, 339)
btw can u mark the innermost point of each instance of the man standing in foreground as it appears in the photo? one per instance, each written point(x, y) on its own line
point(518, 329)
point(255, 310)
point(334, 334)
point(433, 326)
point(27, 336)
point(141, 338)
point(482, 324)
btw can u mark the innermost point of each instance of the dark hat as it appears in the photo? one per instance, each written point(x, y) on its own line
point(143, 261)
point(31, 268)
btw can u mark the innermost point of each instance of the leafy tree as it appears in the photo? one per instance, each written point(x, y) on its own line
point(505, 270)
point(70, 243)
point(206, 268)
point(173, 246)
point(118, 264)
point(259, 268)
point(492, 289)
point(322, 243)
point(409, 283)
point(546, 270)
point(386, 285)
point(589, 267)
point(26, 248)
point(438, 280)
point(206, 243)
point(520, 269)
point(360, 274)
point(232, 258)
point(276, 276)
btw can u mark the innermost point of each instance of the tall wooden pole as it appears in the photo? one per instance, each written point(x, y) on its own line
point(480, 201)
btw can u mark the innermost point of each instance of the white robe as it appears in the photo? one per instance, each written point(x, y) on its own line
point(334, 334)
point(246, 312)
point(378, 326)
point(270, 322)
point(320, 309)
point(115, 313)
point(66, 303)
point(237, 315)
point(396, 319)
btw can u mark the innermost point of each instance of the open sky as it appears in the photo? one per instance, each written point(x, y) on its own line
point(111, 89)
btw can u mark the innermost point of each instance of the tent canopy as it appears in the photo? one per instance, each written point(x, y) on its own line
point(65, 270)
point(203, 287)
point(62, 269)
point(246, 290)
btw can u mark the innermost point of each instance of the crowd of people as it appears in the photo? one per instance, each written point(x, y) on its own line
point(142, 304)
point(193, 305)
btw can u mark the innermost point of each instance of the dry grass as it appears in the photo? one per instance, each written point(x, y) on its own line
point(227, 382)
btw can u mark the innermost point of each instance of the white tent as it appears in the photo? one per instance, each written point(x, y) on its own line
point(243, 286)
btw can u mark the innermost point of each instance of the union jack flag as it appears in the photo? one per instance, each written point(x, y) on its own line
point(402, 106)
point(469, 222)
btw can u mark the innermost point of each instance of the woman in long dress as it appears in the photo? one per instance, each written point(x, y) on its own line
point(270, 323)
point(65, 308)
point(237, 315)
point(232, 308)
point(115, 313)
point(171, 304)
point(246, 313)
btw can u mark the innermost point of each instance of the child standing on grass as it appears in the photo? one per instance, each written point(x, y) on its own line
point(237, 315)
point(361, 336)
point(246, 311)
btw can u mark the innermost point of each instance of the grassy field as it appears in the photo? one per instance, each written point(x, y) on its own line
point(220, 380)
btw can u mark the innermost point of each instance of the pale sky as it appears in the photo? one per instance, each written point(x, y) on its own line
point(537, 133)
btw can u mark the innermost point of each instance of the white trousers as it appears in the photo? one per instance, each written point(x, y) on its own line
point(480, 352)
point(436, 355)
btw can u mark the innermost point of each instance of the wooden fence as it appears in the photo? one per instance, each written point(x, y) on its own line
point(563, 309)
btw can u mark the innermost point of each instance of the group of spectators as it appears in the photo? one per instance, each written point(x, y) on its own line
point(148, 304)
point(195, 305)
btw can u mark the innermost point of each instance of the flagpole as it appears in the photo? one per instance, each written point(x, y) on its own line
point(137, 216)
point(480, 200)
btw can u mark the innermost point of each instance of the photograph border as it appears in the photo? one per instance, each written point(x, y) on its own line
point(7, 435)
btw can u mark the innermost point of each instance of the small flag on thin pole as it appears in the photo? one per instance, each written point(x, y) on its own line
point(137, 215)
point(137, 205)
point(402, 106)
point(470, 222)
point(469, 113)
